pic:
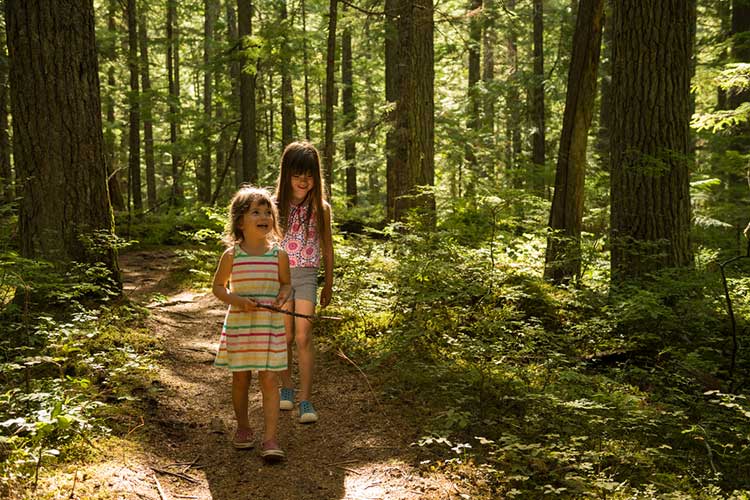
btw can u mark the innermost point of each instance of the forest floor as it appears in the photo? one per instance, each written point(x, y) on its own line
point(360, 448)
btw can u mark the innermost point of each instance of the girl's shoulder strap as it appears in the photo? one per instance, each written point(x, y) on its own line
point(274, 251)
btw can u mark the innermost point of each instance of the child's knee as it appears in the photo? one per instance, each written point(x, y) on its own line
point(269, 381)
point(303, 339)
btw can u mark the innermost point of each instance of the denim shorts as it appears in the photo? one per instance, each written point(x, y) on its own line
point(305, 283)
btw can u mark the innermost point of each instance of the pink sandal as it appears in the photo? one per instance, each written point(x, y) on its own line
point(271, 452)
point(243, 439)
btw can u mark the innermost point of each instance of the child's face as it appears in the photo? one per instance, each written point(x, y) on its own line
point(258, 221)
point(301, 185)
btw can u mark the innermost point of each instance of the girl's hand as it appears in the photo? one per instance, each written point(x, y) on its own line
point(325, 295)
point(283, 296)
point(249, 305)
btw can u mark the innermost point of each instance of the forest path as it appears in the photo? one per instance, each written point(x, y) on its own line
point(358, 449)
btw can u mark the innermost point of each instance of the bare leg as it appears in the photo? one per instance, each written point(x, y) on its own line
point(305, 348)
point(269, 387)
point(240, 386)
point(286, 375)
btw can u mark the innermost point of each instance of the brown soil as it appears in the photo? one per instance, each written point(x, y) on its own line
point(359, 449)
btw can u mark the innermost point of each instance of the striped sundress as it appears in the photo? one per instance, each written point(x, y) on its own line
point(253, 340)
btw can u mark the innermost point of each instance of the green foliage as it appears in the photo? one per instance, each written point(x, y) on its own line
point(530, 390)
point(66, 353)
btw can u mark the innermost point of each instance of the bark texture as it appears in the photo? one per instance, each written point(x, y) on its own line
point(414, 127)
point(650, 216)
point(57, 131)
point(563, 256)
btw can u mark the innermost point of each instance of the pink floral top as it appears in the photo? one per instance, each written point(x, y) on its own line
point(303, 250)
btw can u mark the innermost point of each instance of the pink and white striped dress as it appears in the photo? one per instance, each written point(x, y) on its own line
point(253, 340)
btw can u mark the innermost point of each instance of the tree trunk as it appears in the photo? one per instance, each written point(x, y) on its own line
point(247, 96)
point(148, 127)
point(414, 115)
point(173, 77)
point(513, 120)
point(329, 148)
point(234, 72)
point(288, 119)
point(347, 95)
point(57, 132)
point(563, 257)
point(7, 192)
point(488, 78)
point(472, 121)
point(134, 115)
point(605, 93)
point(536, 95)
point(204, 173)
point(392, 10)
point(650, 137)
point(305, 69)
point(113, 160)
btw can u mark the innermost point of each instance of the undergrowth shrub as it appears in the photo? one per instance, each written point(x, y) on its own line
point(533, 390)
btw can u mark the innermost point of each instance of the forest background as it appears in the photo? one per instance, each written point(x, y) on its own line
point(539, 210)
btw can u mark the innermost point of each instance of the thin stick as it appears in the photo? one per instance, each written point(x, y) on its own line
point(311, 317)
point(75, 480)
point(349, 470)
point(188, 466)
point(175, 474)
point(372, 391)
point(162, 495)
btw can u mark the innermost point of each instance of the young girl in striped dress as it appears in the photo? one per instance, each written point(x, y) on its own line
point(253, 272)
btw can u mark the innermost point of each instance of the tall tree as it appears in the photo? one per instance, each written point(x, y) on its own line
point(305, 68)
point(234, 72)
point(413, 147)
point(146, 101)
point(57, 131)
point(563, 257)
point(605, 94)
point(650, 138)
point(113, 159)
point(247, 95)
point(173, 77)
point(329, 148)
point(512, 102)
point(472, 121)
point(204, 172)
point(347, 95)
point(536, 95)
point(288, 119)
point(488, 78)
point(7, 193)
point(392, 9)
point(134, 115)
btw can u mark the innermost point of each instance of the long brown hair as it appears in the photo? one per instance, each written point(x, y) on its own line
point(301, 158)
point(240, 204)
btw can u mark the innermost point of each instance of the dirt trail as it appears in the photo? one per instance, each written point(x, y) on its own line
point(357, 450)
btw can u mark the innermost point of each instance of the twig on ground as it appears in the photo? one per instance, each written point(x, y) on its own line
point(191, 464)
point(175, 474)
point(372, 391)
point(185, 496)
point(347, 469)
point(73, 488)
point(162, 495)
point(351, 461)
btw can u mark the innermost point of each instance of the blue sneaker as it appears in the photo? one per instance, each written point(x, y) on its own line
point(307, 413)
point(286, 401)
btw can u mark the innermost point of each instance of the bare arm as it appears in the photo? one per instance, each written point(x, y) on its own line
point(326, 246)
point(221, 279)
